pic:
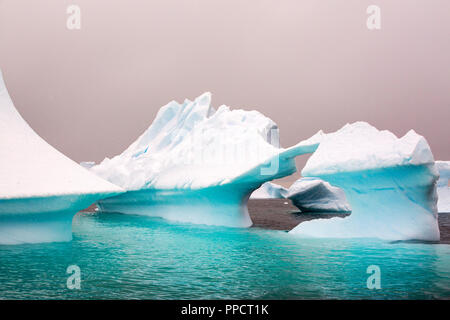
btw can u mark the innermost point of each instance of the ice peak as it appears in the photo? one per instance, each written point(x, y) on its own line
point(209, 147)
point(360, 146)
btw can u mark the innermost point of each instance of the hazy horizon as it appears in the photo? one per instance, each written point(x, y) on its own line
point(306, 65)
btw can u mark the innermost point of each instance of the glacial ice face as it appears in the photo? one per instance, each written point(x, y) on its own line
point(389, 182)
point(40, 188)
point(192, 152)
point(269, 190)
point(316, 195)
point(443, 189)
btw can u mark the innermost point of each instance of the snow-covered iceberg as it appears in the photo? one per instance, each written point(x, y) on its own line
point(316, 195)
point(269, 190)
point(40, 188)
point(443, 189)
point(199, 165)
point(389, 182)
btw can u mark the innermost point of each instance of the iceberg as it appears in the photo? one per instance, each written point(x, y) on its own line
point(40, 188)
point(199, 165)
point(269, 190)
point(389, 182)
point(316, 195)
point(443, 189)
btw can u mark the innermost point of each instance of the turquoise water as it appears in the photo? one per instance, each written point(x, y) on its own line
point(133, 257)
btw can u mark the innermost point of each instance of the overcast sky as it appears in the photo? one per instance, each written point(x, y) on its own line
point(308, 65)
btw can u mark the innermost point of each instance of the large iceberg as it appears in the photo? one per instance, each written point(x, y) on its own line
point(443, 189)
point(389, 182)
point(269, 190)
point(40, 188)
point(316, 195)
point(200, 165)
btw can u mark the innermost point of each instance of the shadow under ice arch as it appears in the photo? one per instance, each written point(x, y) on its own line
point(40, 188)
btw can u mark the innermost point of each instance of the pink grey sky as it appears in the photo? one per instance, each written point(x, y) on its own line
point(308, 65)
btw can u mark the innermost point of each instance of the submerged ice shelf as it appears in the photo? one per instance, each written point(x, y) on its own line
point(389, 182)
point(40, 188)
point(196, 164)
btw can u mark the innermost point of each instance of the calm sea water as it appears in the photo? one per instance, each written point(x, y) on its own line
point(132, 257)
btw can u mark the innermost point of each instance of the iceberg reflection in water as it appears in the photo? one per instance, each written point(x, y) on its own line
point(126, 256)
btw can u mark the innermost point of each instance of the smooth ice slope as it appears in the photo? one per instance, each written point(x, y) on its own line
point(40, 188)
point(443, 189)
point(315, 195)
point(269, 190)
point(199, 165)
point(389, 182)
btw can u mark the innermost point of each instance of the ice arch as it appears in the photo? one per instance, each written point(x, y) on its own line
point(40, 188)
point(200, 165)
point(389, 182)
